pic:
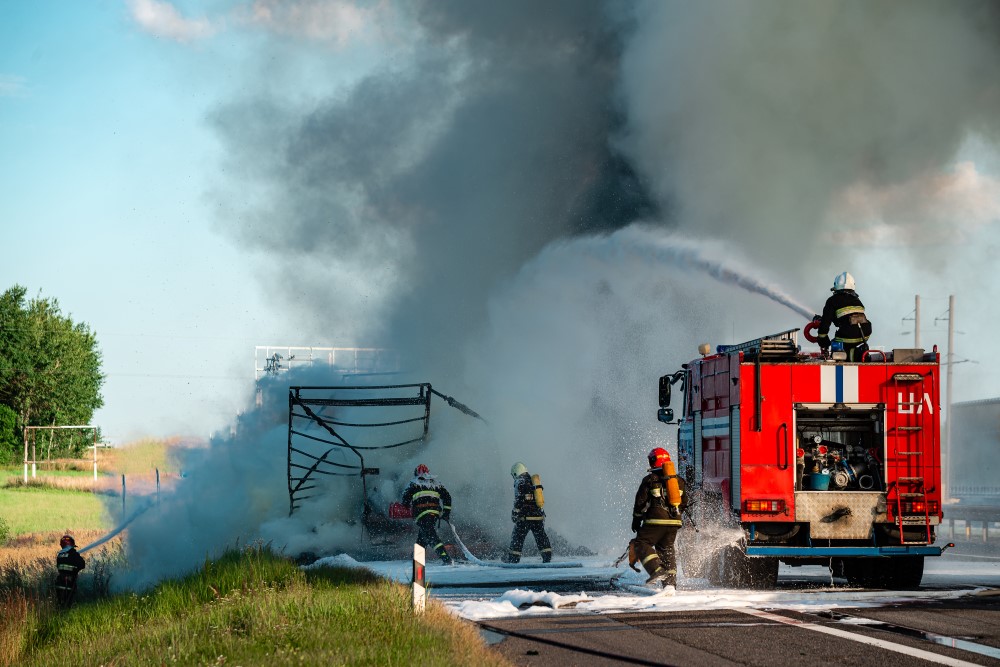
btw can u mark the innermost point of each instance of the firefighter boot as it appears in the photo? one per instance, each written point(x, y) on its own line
point(443, 554)
point(657, 576)
point(546, 555)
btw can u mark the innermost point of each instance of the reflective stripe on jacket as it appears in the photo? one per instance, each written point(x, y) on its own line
point(845, 310)
point(425, 496)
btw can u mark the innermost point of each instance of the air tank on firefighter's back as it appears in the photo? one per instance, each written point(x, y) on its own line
point(539, 490)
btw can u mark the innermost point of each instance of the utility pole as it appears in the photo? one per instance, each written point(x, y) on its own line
point(916, 322)
point(946, 462)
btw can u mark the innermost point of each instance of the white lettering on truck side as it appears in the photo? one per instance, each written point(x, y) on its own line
point(912, 407)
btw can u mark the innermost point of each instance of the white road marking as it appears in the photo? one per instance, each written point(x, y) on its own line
point(890, 646)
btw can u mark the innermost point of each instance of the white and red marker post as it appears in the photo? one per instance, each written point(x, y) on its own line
point(419, 583)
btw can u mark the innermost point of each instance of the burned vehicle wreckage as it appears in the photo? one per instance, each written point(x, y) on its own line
point(350, 442)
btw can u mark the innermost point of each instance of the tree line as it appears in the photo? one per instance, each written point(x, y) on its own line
point(50, 375)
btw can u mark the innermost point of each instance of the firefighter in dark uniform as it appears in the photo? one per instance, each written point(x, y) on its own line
point(429, 502)
point(656, 522)
point(845, 310)
point(527, 516)
point(68, 563)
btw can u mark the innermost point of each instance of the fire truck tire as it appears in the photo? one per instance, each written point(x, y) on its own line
point(735, 567)
point(903, 572)
point(862, 572)
point(763, 573)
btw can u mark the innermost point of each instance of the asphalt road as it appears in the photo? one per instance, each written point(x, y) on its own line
point(964, 631)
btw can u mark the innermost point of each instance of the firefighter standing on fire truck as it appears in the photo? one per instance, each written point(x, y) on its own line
point(527, 515)
point(845, 309)
point(656, 520)
point(429, 502)
point(68, 563)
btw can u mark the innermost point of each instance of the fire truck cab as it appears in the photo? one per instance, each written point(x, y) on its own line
point(815, 459)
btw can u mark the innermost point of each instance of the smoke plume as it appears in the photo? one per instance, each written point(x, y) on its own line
point(545, 207)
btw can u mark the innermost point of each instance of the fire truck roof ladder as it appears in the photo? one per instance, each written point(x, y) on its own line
point(775, 347)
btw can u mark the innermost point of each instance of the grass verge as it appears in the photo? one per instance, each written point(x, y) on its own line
point(250, 607)
point(29, 509)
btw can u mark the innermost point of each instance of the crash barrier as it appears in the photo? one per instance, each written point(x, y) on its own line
point(970, 516)
point(419, 582)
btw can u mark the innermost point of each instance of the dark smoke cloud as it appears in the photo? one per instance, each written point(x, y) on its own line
point(430, 180)
point(755, 116)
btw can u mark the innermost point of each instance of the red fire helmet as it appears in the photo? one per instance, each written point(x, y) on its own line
point(657, 457)
point(420, 470)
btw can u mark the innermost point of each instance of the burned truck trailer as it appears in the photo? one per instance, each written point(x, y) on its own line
point(816, 460)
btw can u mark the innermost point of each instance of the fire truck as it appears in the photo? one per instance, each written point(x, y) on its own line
point(813, 459)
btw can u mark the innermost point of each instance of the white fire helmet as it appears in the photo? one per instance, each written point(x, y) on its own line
point(844, 281)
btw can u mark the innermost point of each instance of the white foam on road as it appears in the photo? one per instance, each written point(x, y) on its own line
point(944, 578)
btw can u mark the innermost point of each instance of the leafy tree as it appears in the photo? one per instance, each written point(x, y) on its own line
point(50, 367)
point(10, 442)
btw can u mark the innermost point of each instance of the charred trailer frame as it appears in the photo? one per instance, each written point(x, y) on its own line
point(817, 460)
point(332, 430)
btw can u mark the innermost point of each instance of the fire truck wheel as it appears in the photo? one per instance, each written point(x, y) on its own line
point(903, 572)
point(763, 573)
point(860, 572)
point(736, 568)
point(715, 568)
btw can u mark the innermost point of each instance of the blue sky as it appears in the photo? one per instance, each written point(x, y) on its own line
point(107, 157)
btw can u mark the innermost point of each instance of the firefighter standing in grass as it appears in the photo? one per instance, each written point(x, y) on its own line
point(845, 309)
point(527, 515)
point(656, 518)
point(429, 502)
point(68, 563)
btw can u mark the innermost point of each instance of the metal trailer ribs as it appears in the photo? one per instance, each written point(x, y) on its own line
point(324, 435)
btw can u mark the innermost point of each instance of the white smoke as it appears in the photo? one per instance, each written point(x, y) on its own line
point(474, 206)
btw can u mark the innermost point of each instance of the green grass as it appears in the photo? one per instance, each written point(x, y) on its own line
point(34, 509)
point(18, 471)
point(255, 608)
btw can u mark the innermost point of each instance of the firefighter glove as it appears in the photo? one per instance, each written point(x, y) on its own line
point(674, 512)
point(514, 515)
point(636, 524)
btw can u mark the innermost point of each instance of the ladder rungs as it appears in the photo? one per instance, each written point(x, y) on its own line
point(909, 428)
point(909, 479)
point(912, 495)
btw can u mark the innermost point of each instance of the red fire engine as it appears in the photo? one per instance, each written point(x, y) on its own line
point(817, 460)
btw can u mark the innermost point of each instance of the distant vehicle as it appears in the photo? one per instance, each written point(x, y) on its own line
point(816, 460)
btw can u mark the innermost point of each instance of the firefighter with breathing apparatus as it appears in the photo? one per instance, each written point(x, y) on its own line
point(656, 518)
point(68, 563)
point(429, 502)
point(528, 514)
point(845, 310)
